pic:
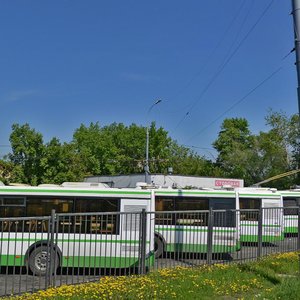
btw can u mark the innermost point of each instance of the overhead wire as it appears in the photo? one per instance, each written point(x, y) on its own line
point(226, 57)
point(207, 61)
point(239, 101)
point(226, 62)
point(203, 148)
point(217, 46)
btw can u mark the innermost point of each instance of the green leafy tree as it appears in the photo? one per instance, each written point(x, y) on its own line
point(186, 162)
point(27, 152)
point(61, 163)
point(6, 171)
point(255, 158)
point(233, 143)
point(283, 155)
point(118, 149)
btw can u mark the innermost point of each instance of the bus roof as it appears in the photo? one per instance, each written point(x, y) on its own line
point(53, 190)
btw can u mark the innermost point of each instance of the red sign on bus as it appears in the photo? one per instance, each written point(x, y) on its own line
point(233, 183)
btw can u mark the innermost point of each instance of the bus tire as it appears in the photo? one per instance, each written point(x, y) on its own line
point(158, 246)
point(38, 261)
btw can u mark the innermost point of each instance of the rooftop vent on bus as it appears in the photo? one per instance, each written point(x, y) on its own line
point(48, 185)
point(227, 187)
point(85, 184)
point(145, 185)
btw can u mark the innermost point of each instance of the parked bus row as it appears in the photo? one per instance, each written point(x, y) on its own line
point(94, 222)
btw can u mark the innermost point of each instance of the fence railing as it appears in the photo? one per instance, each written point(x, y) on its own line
point(39, 252)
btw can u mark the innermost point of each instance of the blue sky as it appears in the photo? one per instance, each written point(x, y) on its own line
point(63, 63)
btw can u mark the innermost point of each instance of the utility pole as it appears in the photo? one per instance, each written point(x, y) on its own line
point(296, 20)
point(147, 168)
point(296, 23)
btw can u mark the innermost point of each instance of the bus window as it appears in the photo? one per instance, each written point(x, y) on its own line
point(290, 205)
point(197, 218)
point(164, 204)
point(223, 218)
point(97, 205)
point(191, 204)
point(11, 211)
point(42, 206)
point(249, 203)
point(11, 207)
point(12, 201)
point(107, 224)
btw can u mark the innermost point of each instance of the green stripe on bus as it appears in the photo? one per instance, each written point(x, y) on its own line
point(79, 261)
point(269, 196)
point(12, 260)
point(228, 193)
point(98, 261)
point(265, 238)
point(185, 192)
point(12, 240)
point(200, 248)
point(63, 191)
point(193, 230)
point(290, 229)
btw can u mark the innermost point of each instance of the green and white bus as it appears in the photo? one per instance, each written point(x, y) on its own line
point(183, 219)
point(95, 226)
point(100, 227)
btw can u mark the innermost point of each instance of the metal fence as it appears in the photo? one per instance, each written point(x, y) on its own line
point(36, 253)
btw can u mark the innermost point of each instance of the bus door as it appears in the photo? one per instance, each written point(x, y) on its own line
point(291, 206)
point(131, 226)
point(272, 219)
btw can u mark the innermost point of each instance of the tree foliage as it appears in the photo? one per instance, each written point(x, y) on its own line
point(95, 150)
point(255, 158)
point(27, 152)
point(119, 149)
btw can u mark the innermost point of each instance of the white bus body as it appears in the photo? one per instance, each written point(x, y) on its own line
point(84, 239)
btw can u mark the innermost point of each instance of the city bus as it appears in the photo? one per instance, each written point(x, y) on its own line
point(95, 226)
point(183, 219)
point(291, 204)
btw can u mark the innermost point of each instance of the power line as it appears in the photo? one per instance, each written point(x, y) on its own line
point(206, 63)
point(239, 101)
point(208, 150)
point(226, 62)
point(212, 52)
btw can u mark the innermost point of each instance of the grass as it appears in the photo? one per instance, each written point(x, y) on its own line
point(273, 277)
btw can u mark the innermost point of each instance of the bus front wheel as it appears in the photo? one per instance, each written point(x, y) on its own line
point(40, 260)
